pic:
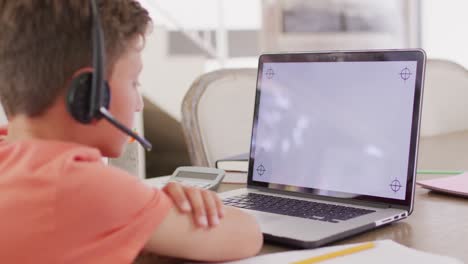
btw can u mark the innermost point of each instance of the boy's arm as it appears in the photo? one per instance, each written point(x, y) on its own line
point(237, 236)
point(103, 209)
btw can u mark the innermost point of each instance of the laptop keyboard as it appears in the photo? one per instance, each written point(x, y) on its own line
point(294, 207)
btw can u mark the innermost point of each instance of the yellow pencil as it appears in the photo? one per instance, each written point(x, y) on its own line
point(336, 254)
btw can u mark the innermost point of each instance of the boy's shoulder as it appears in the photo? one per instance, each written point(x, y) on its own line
point(47, 151)
point(94, 209)
point(48, 147)
point(50, 160)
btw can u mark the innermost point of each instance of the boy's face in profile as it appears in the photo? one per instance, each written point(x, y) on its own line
point(36, 68)
point(125, 100)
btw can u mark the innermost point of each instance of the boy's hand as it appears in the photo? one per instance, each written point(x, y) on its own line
point(205, 205)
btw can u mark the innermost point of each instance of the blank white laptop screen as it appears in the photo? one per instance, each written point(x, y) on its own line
point(336, 126)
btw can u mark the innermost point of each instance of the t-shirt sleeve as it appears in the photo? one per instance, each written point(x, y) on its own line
point(105, 214)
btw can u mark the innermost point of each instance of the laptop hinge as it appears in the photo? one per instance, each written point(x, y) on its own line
point(326, 198)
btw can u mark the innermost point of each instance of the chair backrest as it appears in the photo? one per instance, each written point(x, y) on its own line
point(217, 115)
point(445, 98)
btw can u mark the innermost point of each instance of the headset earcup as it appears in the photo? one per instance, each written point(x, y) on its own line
point(106, 95)
point(79, 98)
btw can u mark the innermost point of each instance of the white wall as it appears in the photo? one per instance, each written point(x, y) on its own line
point(444, 30)
point(165, 80)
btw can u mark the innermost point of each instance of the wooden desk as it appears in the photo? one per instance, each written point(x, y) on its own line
point(439, 223)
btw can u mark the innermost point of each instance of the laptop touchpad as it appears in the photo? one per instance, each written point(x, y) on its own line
point(266, 218)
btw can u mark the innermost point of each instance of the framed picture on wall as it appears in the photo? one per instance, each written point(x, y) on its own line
point(339, 24)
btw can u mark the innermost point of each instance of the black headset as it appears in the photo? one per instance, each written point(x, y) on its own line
point(89, 94)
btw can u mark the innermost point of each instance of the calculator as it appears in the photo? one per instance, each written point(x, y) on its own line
point(200, 177)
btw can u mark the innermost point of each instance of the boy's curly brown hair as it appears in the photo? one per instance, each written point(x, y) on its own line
point(43, 43)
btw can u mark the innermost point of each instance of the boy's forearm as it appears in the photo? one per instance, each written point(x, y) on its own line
point(237, 236)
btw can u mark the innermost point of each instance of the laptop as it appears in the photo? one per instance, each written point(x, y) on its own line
point(334, 144)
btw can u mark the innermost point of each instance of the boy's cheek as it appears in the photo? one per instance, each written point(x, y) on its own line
point(140, 103)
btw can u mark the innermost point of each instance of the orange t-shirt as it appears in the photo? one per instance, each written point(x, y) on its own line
point(59, 203)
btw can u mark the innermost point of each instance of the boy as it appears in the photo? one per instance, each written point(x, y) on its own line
point(59, 203)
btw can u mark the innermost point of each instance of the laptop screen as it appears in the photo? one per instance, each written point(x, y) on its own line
point(337, 128)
